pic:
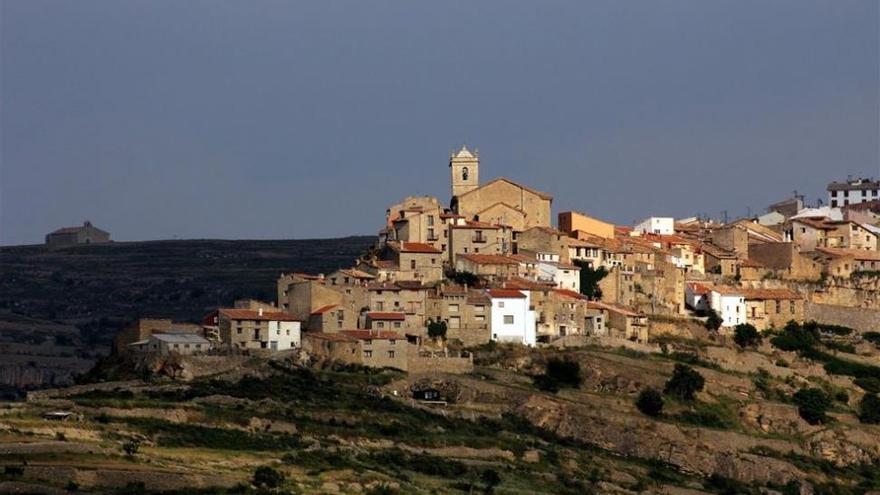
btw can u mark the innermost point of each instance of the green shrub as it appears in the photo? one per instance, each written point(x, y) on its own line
point(267, 477)
point(437, 329)
point(794, 337)
point(560, 373)
point(746, 335)
point(491, 479)
point(713, 321)
point(869, 409)
point(812, 404)
point(650, 402)
point(685, 382)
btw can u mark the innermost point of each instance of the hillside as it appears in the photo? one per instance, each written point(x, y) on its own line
point(61, 307)
point(354, 430)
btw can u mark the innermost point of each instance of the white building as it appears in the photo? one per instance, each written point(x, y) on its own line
point(852, 192)
point(284, 334)
point(729, 304)
point(656, 225)
point(173, 342)
point(565, 276)
point(511, 319)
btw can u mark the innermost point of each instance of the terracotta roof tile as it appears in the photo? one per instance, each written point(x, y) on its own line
point(418, 247)
point(505, 293)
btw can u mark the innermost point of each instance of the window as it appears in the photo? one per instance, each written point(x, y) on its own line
point(396, 324)
point(391, 342)
point(368, 354)
point(778, 306)
point(791, 307)
point(465, 173)
point(391, 354)
point(412, 264)
point(380, 324)
point(380, 305)
point(500, 304)
point(508, 319)
point(238, 330)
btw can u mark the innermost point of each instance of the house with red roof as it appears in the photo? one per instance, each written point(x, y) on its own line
point(258, 329)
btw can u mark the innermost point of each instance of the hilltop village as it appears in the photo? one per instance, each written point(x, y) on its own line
point(493, 267)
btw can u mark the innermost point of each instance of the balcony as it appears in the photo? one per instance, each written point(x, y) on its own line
point(480, 240)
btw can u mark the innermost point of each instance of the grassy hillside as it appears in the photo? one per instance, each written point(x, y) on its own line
point(353, 430)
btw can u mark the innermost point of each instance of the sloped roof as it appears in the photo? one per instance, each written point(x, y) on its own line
point(505, 293)
point(418, 247)
point(247, 314)
point(323, 309)
point(540, 194)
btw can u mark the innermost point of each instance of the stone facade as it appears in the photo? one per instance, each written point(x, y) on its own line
point(72, 236)
point(505, 202)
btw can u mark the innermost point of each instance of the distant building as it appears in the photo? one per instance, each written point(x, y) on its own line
point(656, 225)
point(184, 343)
point(72, 236)
point(787, 207)
point(852, 192)
point(141, 331)
point(249, 329)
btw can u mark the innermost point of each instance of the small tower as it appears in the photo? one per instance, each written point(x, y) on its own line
point(465, 168)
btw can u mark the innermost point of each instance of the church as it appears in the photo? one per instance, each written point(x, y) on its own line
point(500, 201)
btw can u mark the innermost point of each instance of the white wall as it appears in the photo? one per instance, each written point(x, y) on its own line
point(657, 225)
point(731, 308)
point(522, 330)
point(286, 335)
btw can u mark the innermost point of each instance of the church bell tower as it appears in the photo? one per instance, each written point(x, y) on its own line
point(465, 168)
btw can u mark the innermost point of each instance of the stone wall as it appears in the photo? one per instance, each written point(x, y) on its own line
point(861, 319)
point(436, 362)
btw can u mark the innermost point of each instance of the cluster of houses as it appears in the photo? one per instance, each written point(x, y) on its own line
point(490, 266)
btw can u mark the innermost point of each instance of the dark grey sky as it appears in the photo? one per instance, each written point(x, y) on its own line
point(297, 119)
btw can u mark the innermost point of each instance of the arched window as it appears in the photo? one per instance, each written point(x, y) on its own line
point(464, 173)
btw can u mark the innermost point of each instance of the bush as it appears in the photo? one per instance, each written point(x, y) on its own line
point(561, 373)
point(650, 402)
point(437, 329)
point(491, 479)
point(131, 447)
point(869, 409)
point(746, 335)
point(685, 382)
point(794, 337)
point(812, 404)
point(267, 477)
point(713, 322)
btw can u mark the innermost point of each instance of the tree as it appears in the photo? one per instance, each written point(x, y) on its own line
point(812, 404)
point(650, 402)
point(869, 409)
point(491, 479)
point(437, 329)
point(590, 278)
point(267, 477)
point(746, 335)
point(463, 277)
point(560, 373)
point(713, 322)
point(131, 447)
point(685, 382)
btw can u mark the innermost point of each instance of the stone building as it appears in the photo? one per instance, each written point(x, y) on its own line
point(416, 261)
point(249, 329)
point(471, 237)
point(500, 201)
point(142, 329)
point(466, 313)
point(72, 236)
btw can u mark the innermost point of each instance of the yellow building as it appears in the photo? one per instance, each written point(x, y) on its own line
point(572, 221)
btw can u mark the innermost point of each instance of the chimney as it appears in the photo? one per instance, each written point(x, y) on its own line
point(260, 311)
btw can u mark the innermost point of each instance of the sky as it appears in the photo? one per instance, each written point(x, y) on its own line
point(164, 119)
